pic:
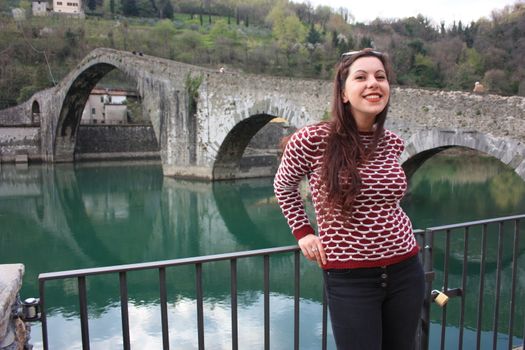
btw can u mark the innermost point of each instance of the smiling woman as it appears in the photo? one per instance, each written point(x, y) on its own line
point(365, 244)
point(367, 91)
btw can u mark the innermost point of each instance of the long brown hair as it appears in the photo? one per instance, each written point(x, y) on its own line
point(344, 149)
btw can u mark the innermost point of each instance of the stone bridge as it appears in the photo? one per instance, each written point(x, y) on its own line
point(203, 131)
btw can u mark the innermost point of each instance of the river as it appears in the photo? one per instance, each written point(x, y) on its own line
point(71, 216)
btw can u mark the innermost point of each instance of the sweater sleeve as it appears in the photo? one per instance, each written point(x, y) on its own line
point(296, 162)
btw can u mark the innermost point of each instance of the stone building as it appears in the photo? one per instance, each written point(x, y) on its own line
point(40, 8)
point(107, 106)
point(73, 7)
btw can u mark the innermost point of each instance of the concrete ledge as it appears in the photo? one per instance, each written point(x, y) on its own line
point(10, 284)
point(117, 156)
point(21, 158)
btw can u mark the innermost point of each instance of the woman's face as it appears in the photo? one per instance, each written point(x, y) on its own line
point(367, 90)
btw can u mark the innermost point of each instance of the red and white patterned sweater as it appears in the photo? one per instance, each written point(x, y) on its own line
point(377, 232)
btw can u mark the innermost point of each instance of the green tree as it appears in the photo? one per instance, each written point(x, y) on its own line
point(164, 31)
point(314, 36)
point(426, 72)
point(191, 47)
point(289, 31)
point(91, 4)
point(129, 8)
point(497, 81)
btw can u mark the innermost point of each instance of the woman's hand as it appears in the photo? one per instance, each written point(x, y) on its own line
point(313, 249)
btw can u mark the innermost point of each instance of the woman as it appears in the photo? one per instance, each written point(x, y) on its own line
point(365, 244)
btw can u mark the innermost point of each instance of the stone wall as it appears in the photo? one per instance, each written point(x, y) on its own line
point(18, 141)
point(12, 329)
point(116, 142)
point(412, 110)
point(17, 115)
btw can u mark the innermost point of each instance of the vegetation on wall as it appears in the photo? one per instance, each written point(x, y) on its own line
point(264, 37)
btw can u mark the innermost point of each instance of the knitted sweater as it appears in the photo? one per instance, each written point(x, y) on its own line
point(377, 232)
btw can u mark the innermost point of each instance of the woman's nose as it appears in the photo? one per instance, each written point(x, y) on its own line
point(372, 82)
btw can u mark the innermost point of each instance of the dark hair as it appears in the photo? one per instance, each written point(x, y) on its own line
point(344, 149)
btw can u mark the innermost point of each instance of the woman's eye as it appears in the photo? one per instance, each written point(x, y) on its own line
point(381, 77)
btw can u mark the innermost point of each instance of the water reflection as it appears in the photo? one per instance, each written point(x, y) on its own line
point(452, 188)
point(69, 217)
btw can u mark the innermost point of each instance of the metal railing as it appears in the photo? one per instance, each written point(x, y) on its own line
point(428, 239)
point(161, 266)
point(463, 248)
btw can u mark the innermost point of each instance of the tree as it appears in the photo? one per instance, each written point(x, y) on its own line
point(497, 81)
point(426, 72)
point(313, 35)
point(190, 44)
point(164, 32)
point(129, 8)
point(91, 4)
point(289, 31)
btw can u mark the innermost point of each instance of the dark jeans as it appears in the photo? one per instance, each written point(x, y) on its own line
point(376, 308)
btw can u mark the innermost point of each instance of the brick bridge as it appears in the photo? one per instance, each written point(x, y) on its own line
point(203, 133)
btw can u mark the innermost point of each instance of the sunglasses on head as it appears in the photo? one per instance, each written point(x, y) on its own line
point(352, 53)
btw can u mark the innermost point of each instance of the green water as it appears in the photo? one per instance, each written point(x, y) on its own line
point(68, 216)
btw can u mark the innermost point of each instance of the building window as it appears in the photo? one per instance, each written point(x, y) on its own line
point(93, 111)
point(59, 3)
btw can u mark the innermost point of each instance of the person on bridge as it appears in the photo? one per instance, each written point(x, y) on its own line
point(365, 244)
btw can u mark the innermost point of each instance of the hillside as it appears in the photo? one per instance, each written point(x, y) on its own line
point(263, 37)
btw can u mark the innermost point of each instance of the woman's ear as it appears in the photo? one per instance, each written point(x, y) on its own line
point(343, 97)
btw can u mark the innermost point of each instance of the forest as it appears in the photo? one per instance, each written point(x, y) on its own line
point(274, 37)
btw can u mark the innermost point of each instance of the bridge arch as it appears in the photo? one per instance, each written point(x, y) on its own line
point(156, 89)
point(422, 145)
point(73, 104)
point(248, 115)
point(227, 162)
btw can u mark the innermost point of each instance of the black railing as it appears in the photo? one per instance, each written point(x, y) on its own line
point(161, 266)
point(464, 248)
point(430, 240)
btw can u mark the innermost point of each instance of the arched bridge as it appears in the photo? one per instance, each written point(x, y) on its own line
point(203, 119)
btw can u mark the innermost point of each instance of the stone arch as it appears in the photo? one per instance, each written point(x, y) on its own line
point(250, 119)
point(227, 162)
point(424, 144)
point(35, 113)
point(73, 104)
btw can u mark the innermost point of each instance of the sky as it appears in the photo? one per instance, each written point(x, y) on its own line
point(436, 10)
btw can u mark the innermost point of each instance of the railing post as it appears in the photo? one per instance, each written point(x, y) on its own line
point(515, 255)
point(297, 283)
point(499, 263)
point(445, 288)
point(463, 287)
point(266, 302)
point(124, 310)
point(164, 308)
point(481, 290)
point(200, 305)
point(84, 323)
point(427, 267)
point(325, 321)
point(233, 289)
point(43, 318)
